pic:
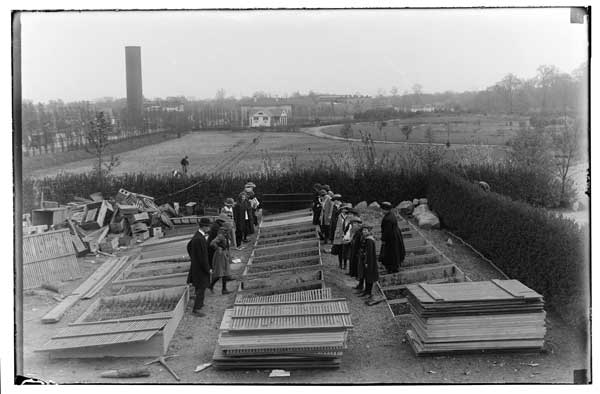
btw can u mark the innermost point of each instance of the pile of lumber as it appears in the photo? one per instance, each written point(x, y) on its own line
point(475, 316)
point(307, 329)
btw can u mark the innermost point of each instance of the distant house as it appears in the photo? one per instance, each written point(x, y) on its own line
point(422, 108)
point(268, 118)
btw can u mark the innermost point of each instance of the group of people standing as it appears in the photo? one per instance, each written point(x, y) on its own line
point(209, 248)
point(353, 241)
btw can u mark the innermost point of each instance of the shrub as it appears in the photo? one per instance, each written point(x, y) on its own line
point(518, 183)
point(212, 189)
point(540, 249)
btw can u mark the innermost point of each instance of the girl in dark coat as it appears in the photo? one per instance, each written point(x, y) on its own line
point(392, 245)
point(221, 259)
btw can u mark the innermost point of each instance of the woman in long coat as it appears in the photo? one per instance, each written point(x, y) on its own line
point(392, 245)
point(221, 259)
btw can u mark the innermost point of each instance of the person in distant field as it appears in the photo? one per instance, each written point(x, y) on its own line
point(200, 271)
point(335, 212)
point(184, 165)
point(337, 248)
point(392, 245)
point(369, 261)
point(241, 216)
point(483, 185)
point(228, 211)
point(221, 258)
point(326, 216)
point(316, 204)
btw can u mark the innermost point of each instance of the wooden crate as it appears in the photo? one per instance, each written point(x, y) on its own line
point(49, 257)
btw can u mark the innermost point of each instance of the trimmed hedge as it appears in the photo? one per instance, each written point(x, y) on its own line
point(540, 249)
point(214, 188)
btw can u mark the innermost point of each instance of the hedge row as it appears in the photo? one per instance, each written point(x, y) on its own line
point(545, 252)
point(212, 189)
point(520, 184)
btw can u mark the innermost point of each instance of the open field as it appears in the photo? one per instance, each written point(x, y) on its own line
point(470, 129)
point(223, 151)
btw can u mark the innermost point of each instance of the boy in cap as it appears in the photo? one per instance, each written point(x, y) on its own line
point(369, 261)
point(392, 245)
point(200, 271)
point(338, 231)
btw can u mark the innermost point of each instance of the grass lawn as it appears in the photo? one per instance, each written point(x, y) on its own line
point(471, 129)
point(224, 151)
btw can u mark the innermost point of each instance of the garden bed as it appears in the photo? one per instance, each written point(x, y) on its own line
point(283, 265)
point(303, 253)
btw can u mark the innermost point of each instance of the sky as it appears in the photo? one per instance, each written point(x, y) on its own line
point(80, 55)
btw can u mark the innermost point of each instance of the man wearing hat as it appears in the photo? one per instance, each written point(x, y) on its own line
point(392, 245)
point(200, 270)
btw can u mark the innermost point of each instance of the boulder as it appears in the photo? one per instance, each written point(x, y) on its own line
point(405, 208)
point(374, 204)
point(361, 205)
point(422, 201)
point(420, 209)
point(428, 219)
point(415, 202)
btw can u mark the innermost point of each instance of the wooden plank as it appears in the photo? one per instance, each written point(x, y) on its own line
point(431, 292)
point(56, 313)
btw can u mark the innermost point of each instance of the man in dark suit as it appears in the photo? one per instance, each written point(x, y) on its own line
point(392, 245)
point(200, 271)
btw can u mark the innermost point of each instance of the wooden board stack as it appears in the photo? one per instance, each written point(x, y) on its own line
point(475, 316)
point(307, 329)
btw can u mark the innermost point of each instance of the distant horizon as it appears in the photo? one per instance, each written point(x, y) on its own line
point(80, 56)
point(275, 96)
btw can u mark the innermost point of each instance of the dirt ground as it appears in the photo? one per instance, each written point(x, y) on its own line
point(377, 351)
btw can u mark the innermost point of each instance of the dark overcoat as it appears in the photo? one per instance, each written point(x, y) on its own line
point(316, 208)
point(355, 253)
point(212, 234)
point(393, 245)
point(239, 209)
point(199, 274)
point(370, 260)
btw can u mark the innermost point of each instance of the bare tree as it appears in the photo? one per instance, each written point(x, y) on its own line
point(346, 130)
point(544, 79)
point(510, 83)
point(98, 144)
point(566, 145)
point(417, 90)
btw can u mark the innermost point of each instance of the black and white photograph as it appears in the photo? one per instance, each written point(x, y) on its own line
point(279, 195)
